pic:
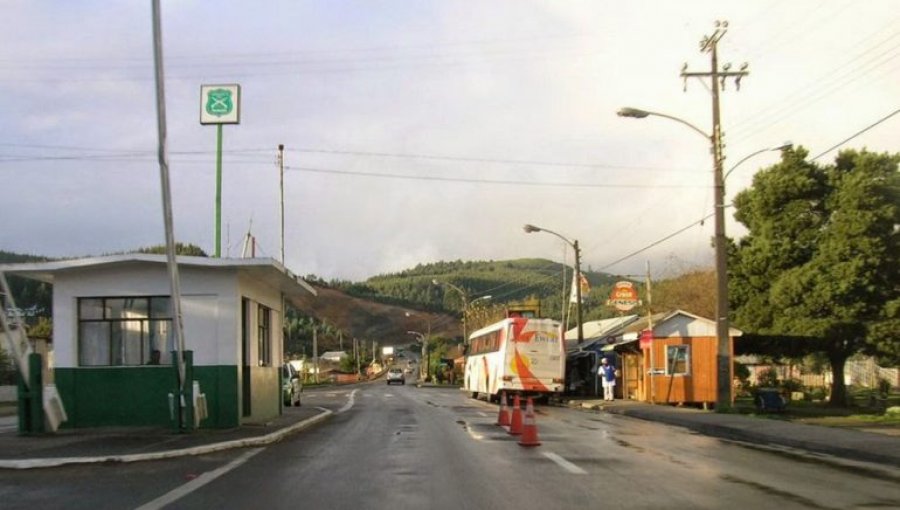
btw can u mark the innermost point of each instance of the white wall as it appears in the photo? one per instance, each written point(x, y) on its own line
point(211, 321)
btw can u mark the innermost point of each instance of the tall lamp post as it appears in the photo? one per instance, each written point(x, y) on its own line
point(574, 244)
point(723, 351)
point(421, 338)
point(465, 299)
point(424, 339)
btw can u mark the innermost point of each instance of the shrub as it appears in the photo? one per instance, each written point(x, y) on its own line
point(768, 378)
point(884, 387)
point(791, 385)
point(8, 371)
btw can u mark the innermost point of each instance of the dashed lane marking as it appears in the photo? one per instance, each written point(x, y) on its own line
point(563, 463)
point(350, 402)
point(182, 491)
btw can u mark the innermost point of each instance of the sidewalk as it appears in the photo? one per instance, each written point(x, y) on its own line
point(841, 443)
point(98, 445)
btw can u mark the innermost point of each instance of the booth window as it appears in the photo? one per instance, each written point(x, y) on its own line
point(678, 360)
point(264, 336)
point(124, 331)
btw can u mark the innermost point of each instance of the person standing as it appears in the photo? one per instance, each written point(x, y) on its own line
point(607, 375)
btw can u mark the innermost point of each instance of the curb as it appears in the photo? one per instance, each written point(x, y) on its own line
point(267, 439)
point(762, 440)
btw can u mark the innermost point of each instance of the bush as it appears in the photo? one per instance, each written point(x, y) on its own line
point(884, 387)
point(818, 393)
point(768, 378)
point(8, 371)
point(791, 385)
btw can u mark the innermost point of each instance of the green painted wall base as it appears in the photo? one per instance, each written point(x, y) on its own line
point(139, 396)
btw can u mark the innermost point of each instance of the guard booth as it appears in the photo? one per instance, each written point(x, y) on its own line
point(113, 339)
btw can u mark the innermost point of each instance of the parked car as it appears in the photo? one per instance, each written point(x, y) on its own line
point(291, 385)
point(395, 375)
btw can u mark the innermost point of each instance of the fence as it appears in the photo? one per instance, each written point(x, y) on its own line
point(862, 372)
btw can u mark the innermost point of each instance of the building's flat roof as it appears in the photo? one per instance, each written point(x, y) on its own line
point(266, 269)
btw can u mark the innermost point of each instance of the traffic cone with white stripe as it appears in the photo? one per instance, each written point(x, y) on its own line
point(529, 427)
point(515, 425)
point(503, 419)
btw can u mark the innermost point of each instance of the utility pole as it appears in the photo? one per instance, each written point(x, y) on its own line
point(316, 353)
point(650, 327)
point(578, 293)
point(281, 186)
point(709, 44)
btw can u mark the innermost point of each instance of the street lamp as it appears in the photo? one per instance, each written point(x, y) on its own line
point(529, 229)
point(465, 299)
point(723, 364)
point(782, 147)
point(723, 351)
point(424, 339)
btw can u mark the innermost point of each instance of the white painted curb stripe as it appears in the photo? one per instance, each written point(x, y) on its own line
point(196, 450)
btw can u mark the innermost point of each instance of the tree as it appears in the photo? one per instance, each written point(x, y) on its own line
point(692, 292)
point(180, 249)
point(821, 256)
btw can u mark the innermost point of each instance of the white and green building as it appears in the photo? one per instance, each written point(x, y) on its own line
point(113, 337)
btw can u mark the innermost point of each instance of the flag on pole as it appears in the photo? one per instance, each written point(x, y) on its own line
point(585, 289)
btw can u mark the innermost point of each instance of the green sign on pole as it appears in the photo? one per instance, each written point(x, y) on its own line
point(220, 104)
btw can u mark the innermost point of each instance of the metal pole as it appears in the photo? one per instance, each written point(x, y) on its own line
point(163, 156)
point(218, 190)
point(281, 185)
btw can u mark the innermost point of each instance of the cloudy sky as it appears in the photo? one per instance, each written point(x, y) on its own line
point(419, 131)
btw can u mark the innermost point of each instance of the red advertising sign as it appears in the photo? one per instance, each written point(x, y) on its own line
point(646, 338)
point(623, 296)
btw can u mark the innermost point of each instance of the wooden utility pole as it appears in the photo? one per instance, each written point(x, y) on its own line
point(718, 77)
point(281, 187)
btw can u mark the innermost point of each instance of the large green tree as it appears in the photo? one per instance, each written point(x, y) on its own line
point(821, 256)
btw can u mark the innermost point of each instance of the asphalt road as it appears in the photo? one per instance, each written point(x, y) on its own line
point(404, 447)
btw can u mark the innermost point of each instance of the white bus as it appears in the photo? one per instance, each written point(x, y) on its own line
point(516, 355)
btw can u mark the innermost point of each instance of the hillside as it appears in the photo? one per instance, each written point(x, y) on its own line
point(385, 307)
point(505, 281)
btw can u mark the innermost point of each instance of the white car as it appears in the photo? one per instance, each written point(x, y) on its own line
point(395, 375)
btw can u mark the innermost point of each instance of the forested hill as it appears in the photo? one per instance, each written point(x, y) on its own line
point(505, 281)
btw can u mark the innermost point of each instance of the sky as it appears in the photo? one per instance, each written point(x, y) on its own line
point(422, 131)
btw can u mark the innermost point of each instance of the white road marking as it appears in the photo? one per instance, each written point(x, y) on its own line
point(350, 402)
point(563, 463)
point(472, 433)
point(180, 492)
point(482, 414)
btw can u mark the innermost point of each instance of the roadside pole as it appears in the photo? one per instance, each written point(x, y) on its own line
point(163, 156)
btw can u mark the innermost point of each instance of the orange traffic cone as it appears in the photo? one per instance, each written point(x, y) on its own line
point(503, 419)
point(529, 427)
point(515, 425)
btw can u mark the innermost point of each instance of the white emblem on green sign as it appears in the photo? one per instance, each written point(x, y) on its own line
point(219, 102)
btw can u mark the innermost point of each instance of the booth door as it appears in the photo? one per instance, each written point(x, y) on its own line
point(246, 391)
point(632, 384)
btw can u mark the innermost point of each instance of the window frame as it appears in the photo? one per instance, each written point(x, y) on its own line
point(264, 335)
point(682, 354)
point(114, 336)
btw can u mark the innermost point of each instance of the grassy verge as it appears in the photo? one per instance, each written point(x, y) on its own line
point(857, 416)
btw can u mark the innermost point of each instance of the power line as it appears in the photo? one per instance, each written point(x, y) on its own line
point(470, 159)
point(487, 181)
point(854, 135)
